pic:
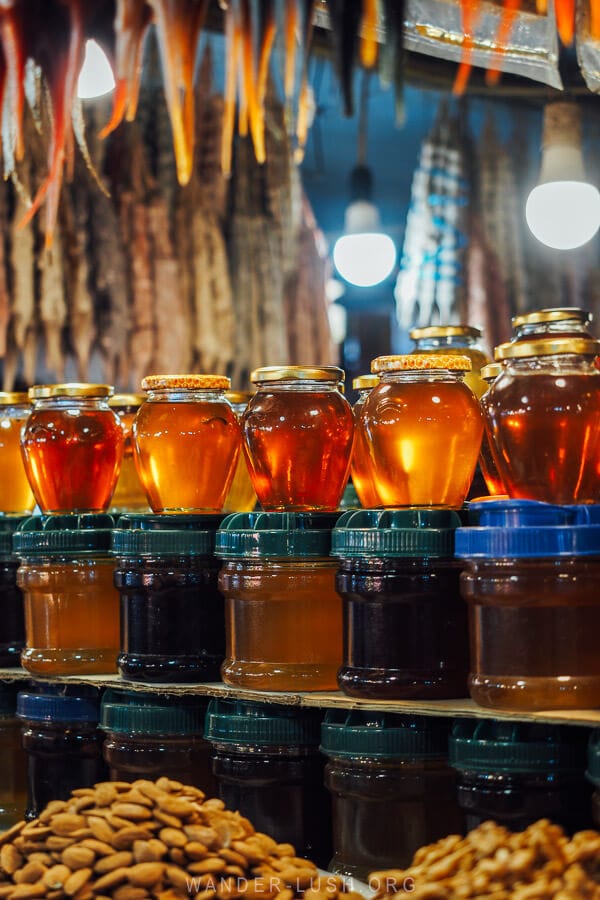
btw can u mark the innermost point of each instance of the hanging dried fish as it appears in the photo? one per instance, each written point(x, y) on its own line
point(53, 306)
point(291, 24)
point(75, 213)
point(304, 104)
point(5, 311)
point(232, 53)
point(12, 37)
point(391, 57)
point(345, 23)
point(368, 41)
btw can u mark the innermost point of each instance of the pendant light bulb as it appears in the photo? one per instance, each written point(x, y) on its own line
point(96, 77)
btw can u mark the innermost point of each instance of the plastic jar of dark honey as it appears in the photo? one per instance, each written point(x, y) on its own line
point(531, 582)
point(62, 742)
point(543, 416)
point(562, 322)
point(405, 623)
point(172, 615)
point(267, 765)
point(461, 340)
point(298, 430)
point(487, 463)
point(361, 468)
point(593, 773)
point(129, 493)
point(241, 496)
point(71, 604)
point(421, 427)
point(516, 773)
point(72, 447)
point(13, 762)
point(154, 735)
point(391, 786)
point(16, 497)
point(12, 619)
point(283, 615)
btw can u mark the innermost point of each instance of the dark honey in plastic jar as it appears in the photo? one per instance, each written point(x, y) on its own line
point(461, 340)
point(362, 467)
point(187, 441)
point(561, 322)
point(487, 463)
point(129, 494)
point(298, 430)
point(13, 762)
point(422, 427)
point(543, 416)
point(16, 497)
point(531, 582)
point(241, 496)
point(593, 773)
point(12, 619)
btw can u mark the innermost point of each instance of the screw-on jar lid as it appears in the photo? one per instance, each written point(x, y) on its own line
point(593, 758)
point(14, 398)
point(59, 703)
point(557, 314)
point(237, 398)
point(267, 724)
point(421, 362)
point(56, 535)
point(8, 526)
point(73, 389)
point(135, 712)
point(186, 383)
point(491, 371)
point(365, 382)
point(547, 346)
point(526, 529)
point(395, 533)
point(275, 534)
point(377, 735)
point(148, 534)
point(443, 331)
point(267, 374)
point(118, 401)
point(488, 745)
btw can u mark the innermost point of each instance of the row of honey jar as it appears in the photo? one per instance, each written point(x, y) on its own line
point(356, 791)
point(385, 604)
point(413, 440)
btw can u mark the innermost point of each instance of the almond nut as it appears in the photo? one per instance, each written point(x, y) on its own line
point(146, 874)
point(56, 876)
point(115, 861)
point(100, 829)
point(110, 880)
point(173, 837)
point(10, 859)
point(29, 891)
point(64, 824)
point(30, 874)
point(76, 881)
point(78, 857)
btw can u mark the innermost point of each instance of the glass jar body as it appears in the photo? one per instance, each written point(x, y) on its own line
point(16, 497)
point(461, 345)
point(184, 758)
point(362, 466)
point(241, 496)
point(487, 463)
point(13, 765)
point(129, 493)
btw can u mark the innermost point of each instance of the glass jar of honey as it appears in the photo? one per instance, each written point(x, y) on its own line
point(593, 773)
point(129, 494)
point(563, 322)
point(461, 340)
point(241, 496)
point(16, 497)
point(487, 463)
point(283, 616)
point(298, 431)
point(71, 604)
point(391, 786)
point(13, 762)
point(12, 620)
point(422, 429)
point(267, 765)
point(542, 415)
point(72, 445)
point(531, 583)
point(361, 468)
point(187, 441)
point(405, 623)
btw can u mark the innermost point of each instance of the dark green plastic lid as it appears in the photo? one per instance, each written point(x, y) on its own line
point(593, 758)
point(8, 526)
point(484, 745)
point(395, 533)
point(57, 535)
point(177, 535)
point(135, 712)
point(377, 735)
point(275, 534)
point(242, 722)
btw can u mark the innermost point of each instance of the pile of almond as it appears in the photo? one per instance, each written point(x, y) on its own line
point(151, 840)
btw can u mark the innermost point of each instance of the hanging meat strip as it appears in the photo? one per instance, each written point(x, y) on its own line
point(53, 307)
point(291, 24)
point(12, 36)
point(368, 41)
point(308, 7)
point(345, 23)
point(267, 30)
point(4, 294)
point(232, 45)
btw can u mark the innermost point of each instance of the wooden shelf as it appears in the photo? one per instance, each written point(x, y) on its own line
point(326, 699)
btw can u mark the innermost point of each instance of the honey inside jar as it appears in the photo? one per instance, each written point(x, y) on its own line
point(487, 463)
point(458, 340)
point(241, 496)
point(361, 468)
point(129, 494)
point(16, 496)
point(186, 442)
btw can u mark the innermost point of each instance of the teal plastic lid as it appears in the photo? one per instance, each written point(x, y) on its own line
point(593, 758)
point(275, 534)
point(135, 712)
point(395, 533)
point(147, 534)
point(485, 745)
point(242, 722)
point(8, 526)
point(378, 735)
point(56, 535)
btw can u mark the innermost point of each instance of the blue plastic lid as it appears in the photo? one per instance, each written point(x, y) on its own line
point(59, 703)
point(528, 529)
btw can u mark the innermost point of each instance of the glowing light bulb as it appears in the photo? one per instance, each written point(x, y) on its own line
point(563, 214)
point(96, 77)
point(364, 259)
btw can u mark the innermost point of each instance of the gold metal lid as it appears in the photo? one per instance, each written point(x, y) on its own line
point(72, 389)
point(491, 371)
point(365, 382)
point(239, 397)
point(421, 362)
point(554, 346)
point(441, 331)
point(118, 400)
point(14, 398)
point(558, 314)
point(297, 373)
point(186, 383)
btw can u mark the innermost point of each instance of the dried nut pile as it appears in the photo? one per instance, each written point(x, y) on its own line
point(151, 839)
point(491, 862)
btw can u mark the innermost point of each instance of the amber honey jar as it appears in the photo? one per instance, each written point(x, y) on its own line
point(283, 616)
point(71, 605)
point(298, 431)
point(362, 468)
point(487, 463)
point(542, 415)
point(72, 446)
point(129, 494)
point(421, 427)
point(16, 497)
point(241, 496)
point(562, 322)
point(460, 340)
point(186, 441)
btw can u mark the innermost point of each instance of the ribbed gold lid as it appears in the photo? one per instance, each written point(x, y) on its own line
point(185, 382)
point(558, 314)
point(239, 397)
point(417, 362)
point(548, 347)
point(297, 373)
point(491, 371)
point(441, 331)
point(118, 400)
point(365, 382)
point(14, 398)
point(73, 389)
